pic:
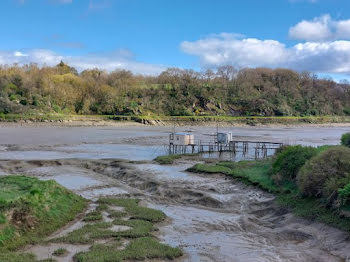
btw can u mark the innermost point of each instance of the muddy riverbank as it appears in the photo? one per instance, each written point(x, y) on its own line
point(212, 218)
point(178, 123)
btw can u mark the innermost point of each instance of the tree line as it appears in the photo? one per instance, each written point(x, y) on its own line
point(174, 92)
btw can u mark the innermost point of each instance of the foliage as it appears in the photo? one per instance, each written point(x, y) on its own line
point(325, 174)
point(313, 209)
point(344, 194)
point(345, 140)
point(175, 92)
point(289, 160)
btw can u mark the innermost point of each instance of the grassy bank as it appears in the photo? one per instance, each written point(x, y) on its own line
point(31, 209)
point(241, 120)
point(179, 120)
point(41, 117)
point(287, 195)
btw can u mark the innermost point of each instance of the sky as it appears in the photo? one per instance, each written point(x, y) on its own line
point(148, 36)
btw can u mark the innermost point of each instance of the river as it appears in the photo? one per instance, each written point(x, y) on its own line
point(212, 218)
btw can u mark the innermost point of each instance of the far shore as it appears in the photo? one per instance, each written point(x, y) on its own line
point(154, 123)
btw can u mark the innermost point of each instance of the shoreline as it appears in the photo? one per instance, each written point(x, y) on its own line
point(181, 121)
point(126, 123)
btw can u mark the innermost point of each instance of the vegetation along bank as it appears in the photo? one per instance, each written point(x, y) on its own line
point(312, 182)
point(31, 210)
point(226, 91)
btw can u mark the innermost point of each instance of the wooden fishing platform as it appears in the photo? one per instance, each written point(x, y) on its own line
point(260, 149)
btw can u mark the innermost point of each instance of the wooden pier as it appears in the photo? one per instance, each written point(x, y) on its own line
point(259, 149)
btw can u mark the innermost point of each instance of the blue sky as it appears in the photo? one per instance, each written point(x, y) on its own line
point(146, 36)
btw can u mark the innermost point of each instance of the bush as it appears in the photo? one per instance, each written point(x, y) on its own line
point(345, 140)
point(289, 160)
point(23, 102)
point(325, 174)
point(344, 194)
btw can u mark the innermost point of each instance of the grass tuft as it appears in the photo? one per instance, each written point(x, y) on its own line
point(93, 216)
point(138, 249)
point(142, 245)
point(134, 210)
point(60, 252)
point(167, 160)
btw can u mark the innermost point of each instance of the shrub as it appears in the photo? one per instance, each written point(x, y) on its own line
point(325, 174)
point(347, 111)
point(345, 140)
point(344, 194)
point(289, 160)
point(23, 102)
point(2, 219)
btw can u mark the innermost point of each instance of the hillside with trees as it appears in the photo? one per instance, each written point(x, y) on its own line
point(174, 92)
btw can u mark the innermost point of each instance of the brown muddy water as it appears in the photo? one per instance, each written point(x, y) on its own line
point(212, 218)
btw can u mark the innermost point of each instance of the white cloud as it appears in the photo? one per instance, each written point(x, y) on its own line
point(217, 50)
point(122, 59)
point(320, 29)
point(328, 57)
point(19, 54)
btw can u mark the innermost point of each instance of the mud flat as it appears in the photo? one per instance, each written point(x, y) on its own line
point(212, 218)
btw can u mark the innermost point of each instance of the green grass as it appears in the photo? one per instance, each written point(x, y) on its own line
point(250, 120)
point(139, 228)
point(138, 249)
point(51, 206)
point(88, 234)
point(36, 116)
point(37, 209)
point(134, 210)
point(93, 216)
point(18, 257)
point(287, 195)
point(142, 245)
point(167, 160)
point(253, 172)
point(60, 252)
point(116, 214)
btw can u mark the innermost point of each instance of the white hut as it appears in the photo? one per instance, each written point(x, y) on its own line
point(181, 139)
point(224, 138)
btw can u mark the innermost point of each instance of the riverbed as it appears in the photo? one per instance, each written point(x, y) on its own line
point(212, 218)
